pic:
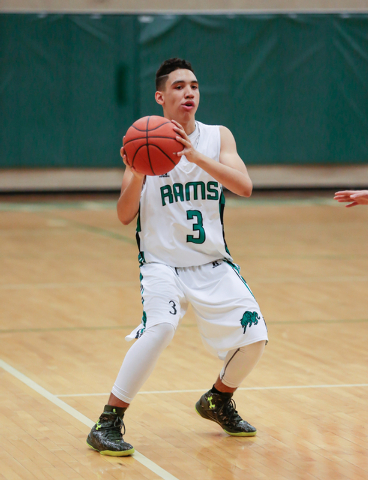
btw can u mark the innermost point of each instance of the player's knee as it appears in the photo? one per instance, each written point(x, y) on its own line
point(253, 351)
point(240, 362)
point(167, 332)
point(163, 332)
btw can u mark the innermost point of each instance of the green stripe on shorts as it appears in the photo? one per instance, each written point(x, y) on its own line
point(237, 271)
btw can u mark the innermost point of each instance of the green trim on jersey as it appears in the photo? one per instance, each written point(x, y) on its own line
point(221, 211)
point(139, 229)
point(141, 258)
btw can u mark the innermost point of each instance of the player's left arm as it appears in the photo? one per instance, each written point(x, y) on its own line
point(230, 171)
point(229, 157)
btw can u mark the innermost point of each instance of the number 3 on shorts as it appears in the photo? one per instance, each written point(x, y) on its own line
point(197, 227)
point(173, 306)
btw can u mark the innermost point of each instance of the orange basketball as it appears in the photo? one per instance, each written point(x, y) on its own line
point(150, 144)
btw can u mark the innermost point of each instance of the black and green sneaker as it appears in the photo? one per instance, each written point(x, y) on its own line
point(106, 437)
point(220, 408)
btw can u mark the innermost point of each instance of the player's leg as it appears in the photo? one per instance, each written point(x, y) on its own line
point(140, 361)
point(138, 364)
point(232, 327)
point(237, 366)
point(217, 404)
point(163, 307)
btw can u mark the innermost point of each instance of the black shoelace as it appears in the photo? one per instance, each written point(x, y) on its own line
point(113, 427)
point(229, 413)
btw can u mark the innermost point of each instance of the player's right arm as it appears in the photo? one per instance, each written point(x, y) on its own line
point(130, 195)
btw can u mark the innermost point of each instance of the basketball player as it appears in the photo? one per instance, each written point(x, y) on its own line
point(184, 259)
point(357, 197)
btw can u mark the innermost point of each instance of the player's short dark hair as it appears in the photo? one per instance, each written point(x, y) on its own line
point(169, 66)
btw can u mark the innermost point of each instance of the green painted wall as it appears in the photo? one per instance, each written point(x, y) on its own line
point(292, 88)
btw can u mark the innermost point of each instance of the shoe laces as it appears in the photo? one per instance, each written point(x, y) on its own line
point(113, 427)
point(229, 413)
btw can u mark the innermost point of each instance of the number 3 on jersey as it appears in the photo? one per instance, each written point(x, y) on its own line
point(197, 227)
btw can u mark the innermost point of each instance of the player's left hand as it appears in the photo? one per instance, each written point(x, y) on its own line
point(357, 197)
point(189, 151)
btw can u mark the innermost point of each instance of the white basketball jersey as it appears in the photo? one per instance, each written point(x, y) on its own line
point(180, 220)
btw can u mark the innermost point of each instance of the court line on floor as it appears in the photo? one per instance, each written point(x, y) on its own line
point(30, 286)
point(317, 279)
point(101, 231)
point(90, 228)
point(35, 207)
point(301, 202)
point(79, 416)
point(185, 325)
point(284, 387)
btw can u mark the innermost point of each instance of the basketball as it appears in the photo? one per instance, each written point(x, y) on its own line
point(150, 144)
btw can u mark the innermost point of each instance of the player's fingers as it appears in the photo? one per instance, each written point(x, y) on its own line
point(352, 204)
point(182, 152)
point(137, 174)
point(181, 132)
point(184, 141)
point(124, 157)
point(177, 123)
point(363, 193)
point(343, 198)
point(345, 192)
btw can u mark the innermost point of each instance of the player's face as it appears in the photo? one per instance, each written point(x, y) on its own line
point(180, 98)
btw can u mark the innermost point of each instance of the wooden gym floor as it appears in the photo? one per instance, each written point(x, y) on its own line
point(69, 292)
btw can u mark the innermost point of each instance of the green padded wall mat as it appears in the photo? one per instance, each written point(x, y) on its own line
point(291, 87)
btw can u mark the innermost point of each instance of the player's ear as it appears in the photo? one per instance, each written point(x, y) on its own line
point(159, 97)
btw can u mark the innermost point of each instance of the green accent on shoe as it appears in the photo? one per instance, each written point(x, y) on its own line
point(211, 404)
point(221, 409)
point(245, 434)
point(106, 436)
point(195, 408)
point(90, 446)
point(242, 434)
point(112, 453)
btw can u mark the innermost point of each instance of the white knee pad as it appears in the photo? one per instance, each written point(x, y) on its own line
point(240, 362)
point(141, 359)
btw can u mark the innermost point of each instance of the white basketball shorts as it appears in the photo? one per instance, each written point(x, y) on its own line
point(228, 315)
